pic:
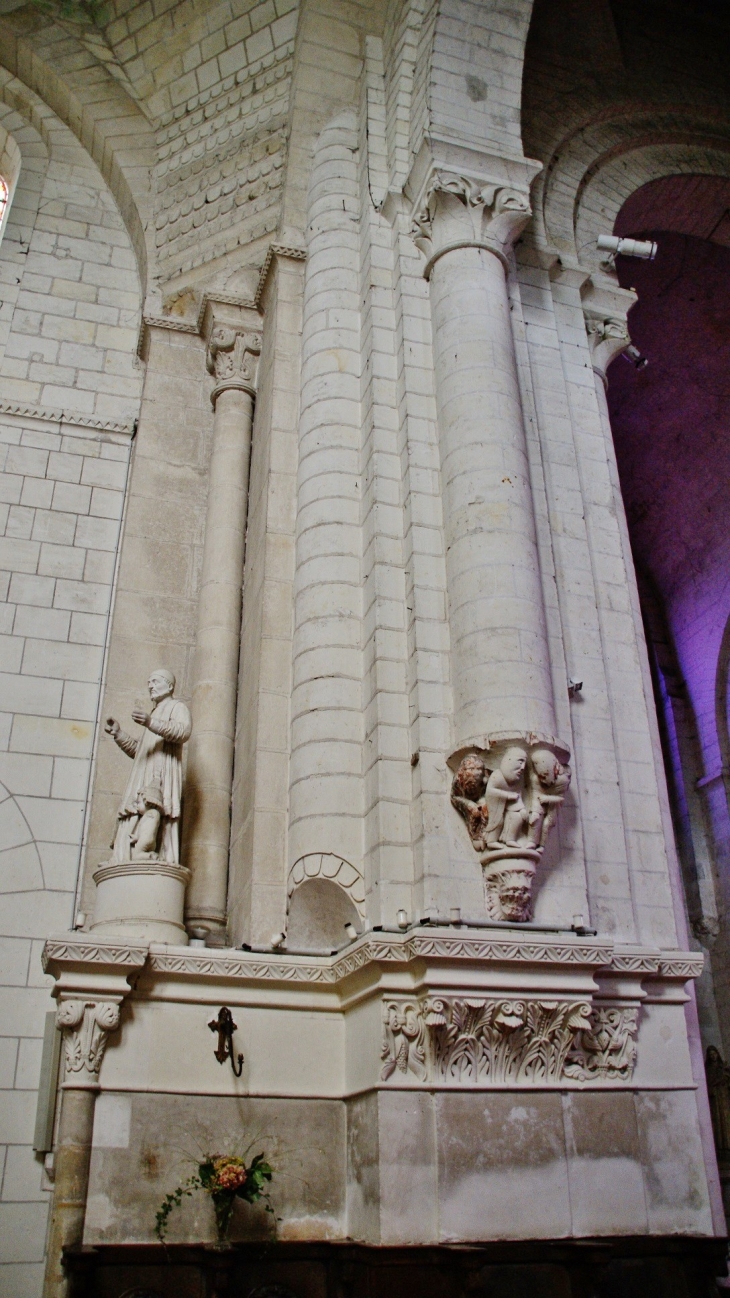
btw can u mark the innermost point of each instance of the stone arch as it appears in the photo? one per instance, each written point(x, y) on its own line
point(27, 157)
point(327, 865)
point(106, 121)
point(591, 174)
point(9, 168)
point(607, 186)
point(56, 168)
point(324, 895)
point(722, 706)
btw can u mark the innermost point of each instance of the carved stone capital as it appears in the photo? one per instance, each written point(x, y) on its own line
point(464, 197)
point(404, 1040)
point(606, 1048)
point(86, 1025)
point(458, 211)
point(92, 977)
point(509, 793)
point(232, 356)
point(608, 336)
point(605, 310)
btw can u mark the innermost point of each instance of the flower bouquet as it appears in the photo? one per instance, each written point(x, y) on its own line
point(225, 1177)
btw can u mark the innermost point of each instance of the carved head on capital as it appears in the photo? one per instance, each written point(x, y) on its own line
point(221, 343)
point(510, 894)
point(513, 764)
point(470, 778)
point(546, 766)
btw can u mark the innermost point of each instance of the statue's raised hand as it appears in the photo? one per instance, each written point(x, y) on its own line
point(112, 727)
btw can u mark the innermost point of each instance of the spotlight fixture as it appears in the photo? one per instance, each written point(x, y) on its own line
point(634, 356)
point(611, 243)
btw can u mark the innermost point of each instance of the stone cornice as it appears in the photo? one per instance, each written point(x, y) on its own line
point(494, 946)
point(68, 420)
point(481, 946)
point(383, 949)
point(83, 949)
point(219, 297)
point(290, 250)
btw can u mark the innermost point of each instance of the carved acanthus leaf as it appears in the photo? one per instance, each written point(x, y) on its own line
point(606, 1048)
point(481, 1041)
point(86, 1026)
point(487, 215)
point(500, 1041)
point(404, 1040)
point(232, 356)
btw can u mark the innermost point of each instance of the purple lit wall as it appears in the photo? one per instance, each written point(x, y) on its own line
point(671, 425)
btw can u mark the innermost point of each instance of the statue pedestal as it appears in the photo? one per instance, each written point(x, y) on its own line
point(141, 900)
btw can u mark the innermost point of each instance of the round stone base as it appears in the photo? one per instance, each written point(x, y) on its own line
point(141, 900)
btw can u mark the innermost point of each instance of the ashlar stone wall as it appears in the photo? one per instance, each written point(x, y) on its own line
point(69, 396)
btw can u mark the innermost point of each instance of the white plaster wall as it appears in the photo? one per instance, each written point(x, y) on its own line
point(69, 393)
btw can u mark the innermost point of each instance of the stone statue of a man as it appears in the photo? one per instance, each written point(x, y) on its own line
point(148, 820)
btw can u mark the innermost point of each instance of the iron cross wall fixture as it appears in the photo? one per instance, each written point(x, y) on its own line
point(225, 1027)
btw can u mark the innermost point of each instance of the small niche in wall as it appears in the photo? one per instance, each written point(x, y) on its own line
point(319, 909)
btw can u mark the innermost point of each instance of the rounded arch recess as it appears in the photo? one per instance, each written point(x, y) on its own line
point(604, 195)
point(43, 99)
point(335, 869)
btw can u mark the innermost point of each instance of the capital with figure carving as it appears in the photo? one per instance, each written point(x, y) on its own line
point(509, 795)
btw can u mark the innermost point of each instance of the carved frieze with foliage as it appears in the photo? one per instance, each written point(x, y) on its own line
point(487, 1041)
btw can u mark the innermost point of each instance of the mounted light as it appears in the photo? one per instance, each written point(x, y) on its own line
point(643, 248)
point(633, 355)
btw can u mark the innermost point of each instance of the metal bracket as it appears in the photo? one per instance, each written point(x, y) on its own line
point(225, 1027)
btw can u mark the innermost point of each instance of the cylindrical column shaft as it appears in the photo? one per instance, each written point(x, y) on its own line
point(210, 764)
point(326, 787)
point(72, 1158)
point(501, 671)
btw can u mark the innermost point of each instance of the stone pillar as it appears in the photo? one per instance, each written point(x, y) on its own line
point(503, 699)
point(232, 357)
point(86, 1025)
point(326, 802)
